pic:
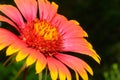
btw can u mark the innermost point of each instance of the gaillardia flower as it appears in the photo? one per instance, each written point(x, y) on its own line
point(44, 38)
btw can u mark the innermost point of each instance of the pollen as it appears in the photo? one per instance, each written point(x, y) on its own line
point(43, 36)
point(47, 31)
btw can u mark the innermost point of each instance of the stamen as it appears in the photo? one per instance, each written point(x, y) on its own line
point(43, 36)
point(45, 30)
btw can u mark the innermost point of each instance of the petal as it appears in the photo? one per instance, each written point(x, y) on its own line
point(12, 13)
point(30, 60)
point(72, 29)
point(2, 46)
point(58, 21)
point(18, 45)
point(47, 10)
point(21, 55)
point(28, 8)
point(4, 19)
point(32, 57)
point(53, 69)
point(81, 47)
point(11, 50)
point(62, 70)
point(77, 41)
point(76, 64)
point(6, 38)
point(77, 76)
point(41, 63)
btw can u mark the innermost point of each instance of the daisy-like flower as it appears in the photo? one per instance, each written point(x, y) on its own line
point(44, 39)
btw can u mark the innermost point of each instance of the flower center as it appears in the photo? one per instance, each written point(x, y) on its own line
point(47, 31)
point(43, 36)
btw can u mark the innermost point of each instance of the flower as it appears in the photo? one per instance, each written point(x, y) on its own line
point(44, 39)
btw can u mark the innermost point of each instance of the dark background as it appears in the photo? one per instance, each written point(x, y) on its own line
point(101, 20)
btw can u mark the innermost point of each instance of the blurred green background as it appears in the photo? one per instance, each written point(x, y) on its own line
point(101, 20)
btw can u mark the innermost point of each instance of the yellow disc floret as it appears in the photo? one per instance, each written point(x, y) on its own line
point(47, 31)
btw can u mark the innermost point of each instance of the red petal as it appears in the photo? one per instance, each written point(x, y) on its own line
point(6, 36)
point(17, 45)
point(33, 54)
point(62, 69)
point(59, 21)
point(41, 62)
point(4, 19)
point(77, 41)
point(12, 13)
point(72, 29)
point(21, 55)
point(47, 10)
point(82, 47)
point(28, 8)
point(53, 69)
point(9, 39)
point(76, 64)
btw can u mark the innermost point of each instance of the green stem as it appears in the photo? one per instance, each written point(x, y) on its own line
point(25, 74)
point(19, 72)
point(40, 76)
point(46, 74)
point(4, 64)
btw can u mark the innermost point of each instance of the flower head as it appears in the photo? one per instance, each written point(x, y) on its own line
point(43, 39)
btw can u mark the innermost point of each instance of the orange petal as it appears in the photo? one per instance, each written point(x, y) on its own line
point(41, 63)
point(77, 41)
point(47, 10)
point(30, 60)
point(81, 47)
point(32, 57)
point(28, 8)
point(74, 63)
point(15, 47)
point(12, 13)
point(77, 76)
point(4, 19)
point(11, 50)
point(9, 39)
point(53, 69)
point(22, 54)
point(71, 29)
point(58, 21)
point(2, 46)
point(87, 67)
point(6, 38)
point(62, 70)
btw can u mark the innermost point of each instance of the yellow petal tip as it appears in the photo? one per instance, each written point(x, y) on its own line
point(30, 61)
point(11, 50)
point(39, 67)
point(76, 22)
point(55, 5)
point(20, 56)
